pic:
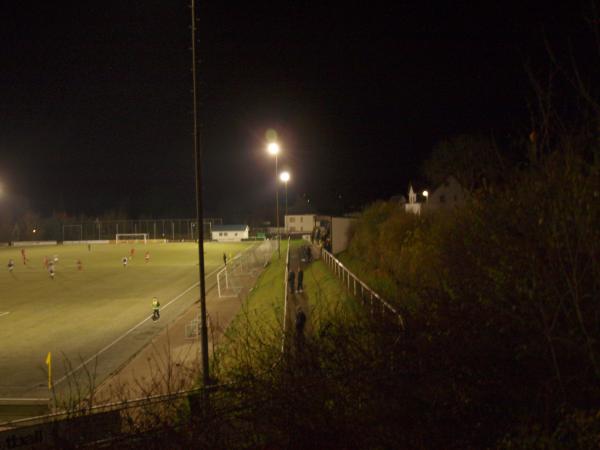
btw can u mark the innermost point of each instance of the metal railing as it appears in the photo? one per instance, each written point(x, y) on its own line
point(100, 423)
point(359, 288)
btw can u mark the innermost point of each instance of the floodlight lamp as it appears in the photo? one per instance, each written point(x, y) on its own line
point(425, 194)
point(273, 148)
point(284, 176)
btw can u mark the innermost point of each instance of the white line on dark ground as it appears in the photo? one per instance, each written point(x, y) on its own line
point(91, 358)
point(5, 313)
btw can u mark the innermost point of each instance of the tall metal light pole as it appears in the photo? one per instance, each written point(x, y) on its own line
point(199, 211)
point(285, 177)
point(273, 149)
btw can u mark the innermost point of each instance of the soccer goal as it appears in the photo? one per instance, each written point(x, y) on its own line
point(241, 271)
point(131, 237)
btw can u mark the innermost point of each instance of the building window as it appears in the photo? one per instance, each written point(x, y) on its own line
point(224, 234)
point(292, 229)
point(301, 219)
point(292, 219)
point(220, 234)
point(235, 234)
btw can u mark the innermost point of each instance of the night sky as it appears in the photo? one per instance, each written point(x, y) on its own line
point(96, 109)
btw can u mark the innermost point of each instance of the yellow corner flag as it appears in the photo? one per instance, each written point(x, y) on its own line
point(49, 364)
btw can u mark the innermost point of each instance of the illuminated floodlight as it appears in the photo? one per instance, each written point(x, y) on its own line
point(425, 194)
point(284, 176)
point(273, 148)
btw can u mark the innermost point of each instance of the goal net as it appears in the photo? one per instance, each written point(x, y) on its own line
point(131, 238)
point(240, 272)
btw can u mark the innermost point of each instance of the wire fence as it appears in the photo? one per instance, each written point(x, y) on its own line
point(241, 270)
point(166, 229)
point(360, 289)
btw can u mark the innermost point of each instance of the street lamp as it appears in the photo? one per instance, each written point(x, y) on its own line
point(273, 149)
point(285, 177)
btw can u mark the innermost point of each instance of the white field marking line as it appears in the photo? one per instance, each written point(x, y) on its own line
point(4, 313)
point(94, 356)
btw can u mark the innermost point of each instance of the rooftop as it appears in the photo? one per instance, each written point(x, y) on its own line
point(229, 227)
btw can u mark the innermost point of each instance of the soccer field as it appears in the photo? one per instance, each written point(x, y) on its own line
point(81, 312)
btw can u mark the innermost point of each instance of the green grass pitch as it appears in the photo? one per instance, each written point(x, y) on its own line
point(81, 311)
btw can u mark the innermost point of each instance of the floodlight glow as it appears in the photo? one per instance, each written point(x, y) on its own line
point(425, 194)
point(284, 176)
point(34, 231)
point(273, 148)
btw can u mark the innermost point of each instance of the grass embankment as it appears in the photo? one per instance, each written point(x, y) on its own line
point(327, 297)
point(376, 280)
point(259, 324)
point(258, 327)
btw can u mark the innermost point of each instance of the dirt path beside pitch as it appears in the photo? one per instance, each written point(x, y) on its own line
point(171, 362)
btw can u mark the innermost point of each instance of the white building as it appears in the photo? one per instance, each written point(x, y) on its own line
point(447, 195)
point(340, 229)
point(230, 233)
point(413, 205)
point(299, 223)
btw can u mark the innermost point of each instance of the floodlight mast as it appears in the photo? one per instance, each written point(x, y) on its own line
point(199, 211)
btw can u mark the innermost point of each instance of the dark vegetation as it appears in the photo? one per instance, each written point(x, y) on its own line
point(502, 305)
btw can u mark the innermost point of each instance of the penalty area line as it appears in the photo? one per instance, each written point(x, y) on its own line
point(127, 333)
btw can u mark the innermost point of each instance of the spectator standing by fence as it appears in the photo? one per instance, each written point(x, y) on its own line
point(291, 280)
point(300, 324)
point(300, 279)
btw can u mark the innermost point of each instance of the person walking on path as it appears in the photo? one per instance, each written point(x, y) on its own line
point(224, 259)
point(155, 309)
point(291, 280)
point(300, 324)
point(300, 288)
